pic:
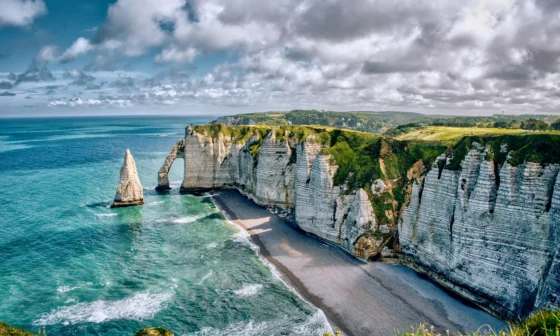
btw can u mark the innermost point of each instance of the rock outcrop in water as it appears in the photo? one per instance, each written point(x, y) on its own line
point(482, 219)
point(129, 190)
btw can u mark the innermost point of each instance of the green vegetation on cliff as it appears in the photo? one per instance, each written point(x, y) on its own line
point(364, 158)
point(515, 149)
point(542, 323)
point(452, 134)
point(8, 330)
point(374, 122)
point(395, 123)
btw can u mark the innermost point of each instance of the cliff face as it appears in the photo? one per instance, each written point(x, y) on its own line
point(483, 220)
point(489, 233)
point(279, 171)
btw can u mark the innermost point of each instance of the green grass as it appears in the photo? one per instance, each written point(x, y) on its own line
point(442, 133)
point(365, 157)
point(541, 323)
point(8, 330)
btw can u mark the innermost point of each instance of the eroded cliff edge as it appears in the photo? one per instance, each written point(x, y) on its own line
point(481, 217)
point(489, 229)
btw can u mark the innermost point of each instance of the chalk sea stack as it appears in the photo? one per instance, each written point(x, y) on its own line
point(129, 191)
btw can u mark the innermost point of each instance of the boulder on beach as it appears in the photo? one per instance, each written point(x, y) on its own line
point(129, 191)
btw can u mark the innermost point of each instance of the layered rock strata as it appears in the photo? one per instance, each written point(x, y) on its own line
point(278, 171)
point(489, 233)
point(129, 190)
point(487, 229)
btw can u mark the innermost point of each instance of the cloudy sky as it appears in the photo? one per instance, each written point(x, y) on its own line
point(470, 56)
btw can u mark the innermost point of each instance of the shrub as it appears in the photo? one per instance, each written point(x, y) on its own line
point(542, 323)
point(154, 331)
point(8, 330)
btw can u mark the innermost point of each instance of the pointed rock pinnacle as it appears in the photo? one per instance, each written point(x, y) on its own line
point(129, 191)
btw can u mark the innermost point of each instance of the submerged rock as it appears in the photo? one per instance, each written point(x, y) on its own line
point(129, 191)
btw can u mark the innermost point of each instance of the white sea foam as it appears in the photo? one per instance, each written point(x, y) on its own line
point(155, 203)
point(244, 236)
point(248, 290)
point(64, 289)
point(205, 277)
point(140, 306)
point(106, 215)
point(175, 184)
point(8, 146)
point(212, 245)
point(316, 325)
point(186, 219)
point(236, 329)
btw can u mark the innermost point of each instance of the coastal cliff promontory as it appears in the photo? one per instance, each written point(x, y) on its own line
point(129, 190)
point(480, 216)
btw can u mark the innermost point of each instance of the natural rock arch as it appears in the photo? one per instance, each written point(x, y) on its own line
point(178, 151)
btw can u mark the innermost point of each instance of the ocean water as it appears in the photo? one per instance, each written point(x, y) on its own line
point(70, 263)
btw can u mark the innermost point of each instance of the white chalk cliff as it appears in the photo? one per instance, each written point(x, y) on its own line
point(489, 233)
point(287, 174)
point(129, 190)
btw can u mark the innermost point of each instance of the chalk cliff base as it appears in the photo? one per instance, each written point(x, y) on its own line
point(360, 299)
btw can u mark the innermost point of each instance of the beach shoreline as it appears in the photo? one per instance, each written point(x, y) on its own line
point(285, 274)
point(358, 299)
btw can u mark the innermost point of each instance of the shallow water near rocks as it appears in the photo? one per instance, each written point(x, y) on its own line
point(70, 263)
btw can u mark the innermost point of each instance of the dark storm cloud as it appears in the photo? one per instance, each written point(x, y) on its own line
point(7, 94)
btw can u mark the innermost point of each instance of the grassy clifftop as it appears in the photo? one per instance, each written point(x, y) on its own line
point(395, 122)
point(365, 159)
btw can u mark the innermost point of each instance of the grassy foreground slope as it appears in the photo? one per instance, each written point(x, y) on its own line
point(542, 323)
point(8, 330)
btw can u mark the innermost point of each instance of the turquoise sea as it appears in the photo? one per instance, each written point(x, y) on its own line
point(70, 263)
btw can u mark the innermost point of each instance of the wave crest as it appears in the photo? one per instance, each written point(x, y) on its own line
point(140, 306)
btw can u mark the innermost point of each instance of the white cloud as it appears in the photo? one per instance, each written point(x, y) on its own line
point(173, 54)
point(80, 47)
point(20, 12)
point(135, 26)
point(343, 54)
point(48, 53)
point(51, 53)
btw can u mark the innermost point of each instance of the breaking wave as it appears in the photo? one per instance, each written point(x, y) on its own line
point(140, 306)
point(64, 289)
point(106, 215)
point(186, 219)
point(248, 290)
point(315, 325)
